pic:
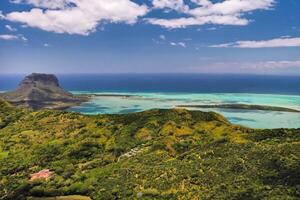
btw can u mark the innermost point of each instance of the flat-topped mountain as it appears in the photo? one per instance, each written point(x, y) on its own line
point(38, 91)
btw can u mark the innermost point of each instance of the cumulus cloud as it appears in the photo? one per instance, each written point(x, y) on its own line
point(83, 16)
point(53, 4)
point(228, 12)
point(76, 16)
point(13, 37)
point(273, 43)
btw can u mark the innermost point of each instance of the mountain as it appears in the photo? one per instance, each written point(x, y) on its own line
point(156, 154)
point(38, 91)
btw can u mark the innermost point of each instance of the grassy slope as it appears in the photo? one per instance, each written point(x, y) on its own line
point(173, 154)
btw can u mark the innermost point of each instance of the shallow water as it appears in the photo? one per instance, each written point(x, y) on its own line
point(145, 101)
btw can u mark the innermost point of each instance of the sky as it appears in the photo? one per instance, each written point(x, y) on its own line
point(150, 36)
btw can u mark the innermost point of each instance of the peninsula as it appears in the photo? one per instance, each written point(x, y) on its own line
point(243, 107)
point(39, 91)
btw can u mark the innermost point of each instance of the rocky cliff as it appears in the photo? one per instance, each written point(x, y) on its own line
point(39, 91)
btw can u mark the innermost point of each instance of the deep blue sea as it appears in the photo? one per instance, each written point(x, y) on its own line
point(186, 83)
point(148, 91)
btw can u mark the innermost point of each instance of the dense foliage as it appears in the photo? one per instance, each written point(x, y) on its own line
point(157, 154)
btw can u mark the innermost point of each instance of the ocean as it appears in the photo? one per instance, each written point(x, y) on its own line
point(149, 91)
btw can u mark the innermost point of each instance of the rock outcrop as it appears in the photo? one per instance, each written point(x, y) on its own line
point(39, 91)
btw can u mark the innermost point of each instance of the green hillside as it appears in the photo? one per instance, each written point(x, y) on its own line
point(157, 154)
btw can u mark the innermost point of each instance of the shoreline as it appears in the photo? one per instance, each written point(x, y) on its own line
point(258, 116)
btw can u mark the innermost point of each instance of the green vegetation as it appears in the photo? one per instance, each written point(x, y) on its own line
point(157, 154)
point(70, 197)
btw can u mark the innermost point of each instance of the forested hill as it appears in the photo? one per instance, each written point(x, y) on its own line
point(156, 154)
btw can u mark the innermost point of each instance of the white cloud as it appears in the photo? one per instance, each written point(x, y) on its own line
point(229, 12)
point(181, 44)
point(274, 64)
point(212, 28)
point(46, 45)
point(13, 37)
point(269, 67)
point(162, 37)
point(83, 16)
point(8, 37)
point(273, 43)
point(76, 16)
point(170, 4)
point(231, 7)
point(10, 28)
point(53, 4)
point(202, 2)
point(23, 38)
point(192, 21)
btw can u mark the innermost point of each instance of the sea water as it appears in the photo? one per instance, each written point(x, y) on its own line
point(138, 92)
point(121, 103)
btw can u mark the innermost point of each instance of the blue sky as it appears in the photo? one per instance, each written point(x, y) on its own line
point(150, 36)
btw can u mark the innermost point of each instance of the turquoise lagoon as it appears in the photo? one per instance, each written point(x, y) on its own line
point(122, 102)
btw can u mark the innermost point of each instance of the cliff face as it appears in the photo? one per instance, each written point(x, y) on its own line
point(38, 91)
point(44, 79)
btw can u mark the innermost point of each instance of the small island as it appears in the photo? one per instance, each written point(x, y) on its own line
point(43, 91)
point(243, 107)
